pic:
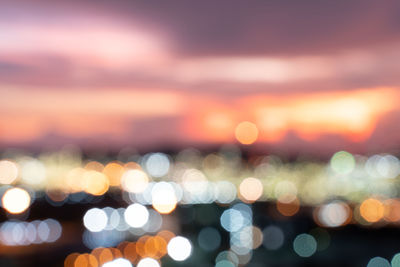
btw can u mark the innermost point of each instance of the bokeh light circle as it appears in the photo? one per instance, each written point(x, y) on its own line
point(273, 237)
point(157, 164)
point(16, 200)
point(179, 248)
point(396, 260)
point(209, 239)
point(232, 220)
point(378, 262)
point(305, 245)
point(163, 197)
point(246, 133)
point(372, 210)
point(135, 181)
point(95, 220)
point(120, 262)
point(225, 263)
point(343, 162)
point(148, 262)
point(8, 172)
point(136, 215)
point(251, 189)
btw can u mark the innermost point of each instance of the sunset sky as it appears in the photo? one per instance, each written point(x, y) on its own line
point(311, 75)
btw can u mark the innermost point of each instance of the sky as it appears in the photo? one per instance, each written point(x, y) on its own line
point(313, 76)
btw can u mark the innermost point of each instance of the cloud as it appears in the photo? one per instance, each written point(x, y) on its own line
point(67, 68)
point(231, 27)
point(261, 45)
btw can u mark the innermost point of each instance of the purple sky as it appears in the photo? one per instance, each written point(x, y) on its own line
point(309, 74)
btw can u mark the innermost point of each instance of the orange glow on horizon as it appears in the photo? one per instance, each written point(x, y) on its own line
point(210, 121)
point(352, 114)
point(29, 114)
point(32, 114)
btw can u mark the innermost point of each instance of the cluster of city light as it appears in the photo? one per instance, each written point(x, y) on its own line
point(109, 226)
point(237, 220)
point(245, 237)
point(19, 233)
point(147, 251)
point(121, 219)
point(366, 186)
point(370, 211)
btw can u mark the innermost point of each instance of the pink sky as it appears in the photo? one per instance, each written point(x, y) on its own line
point(140, 73)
